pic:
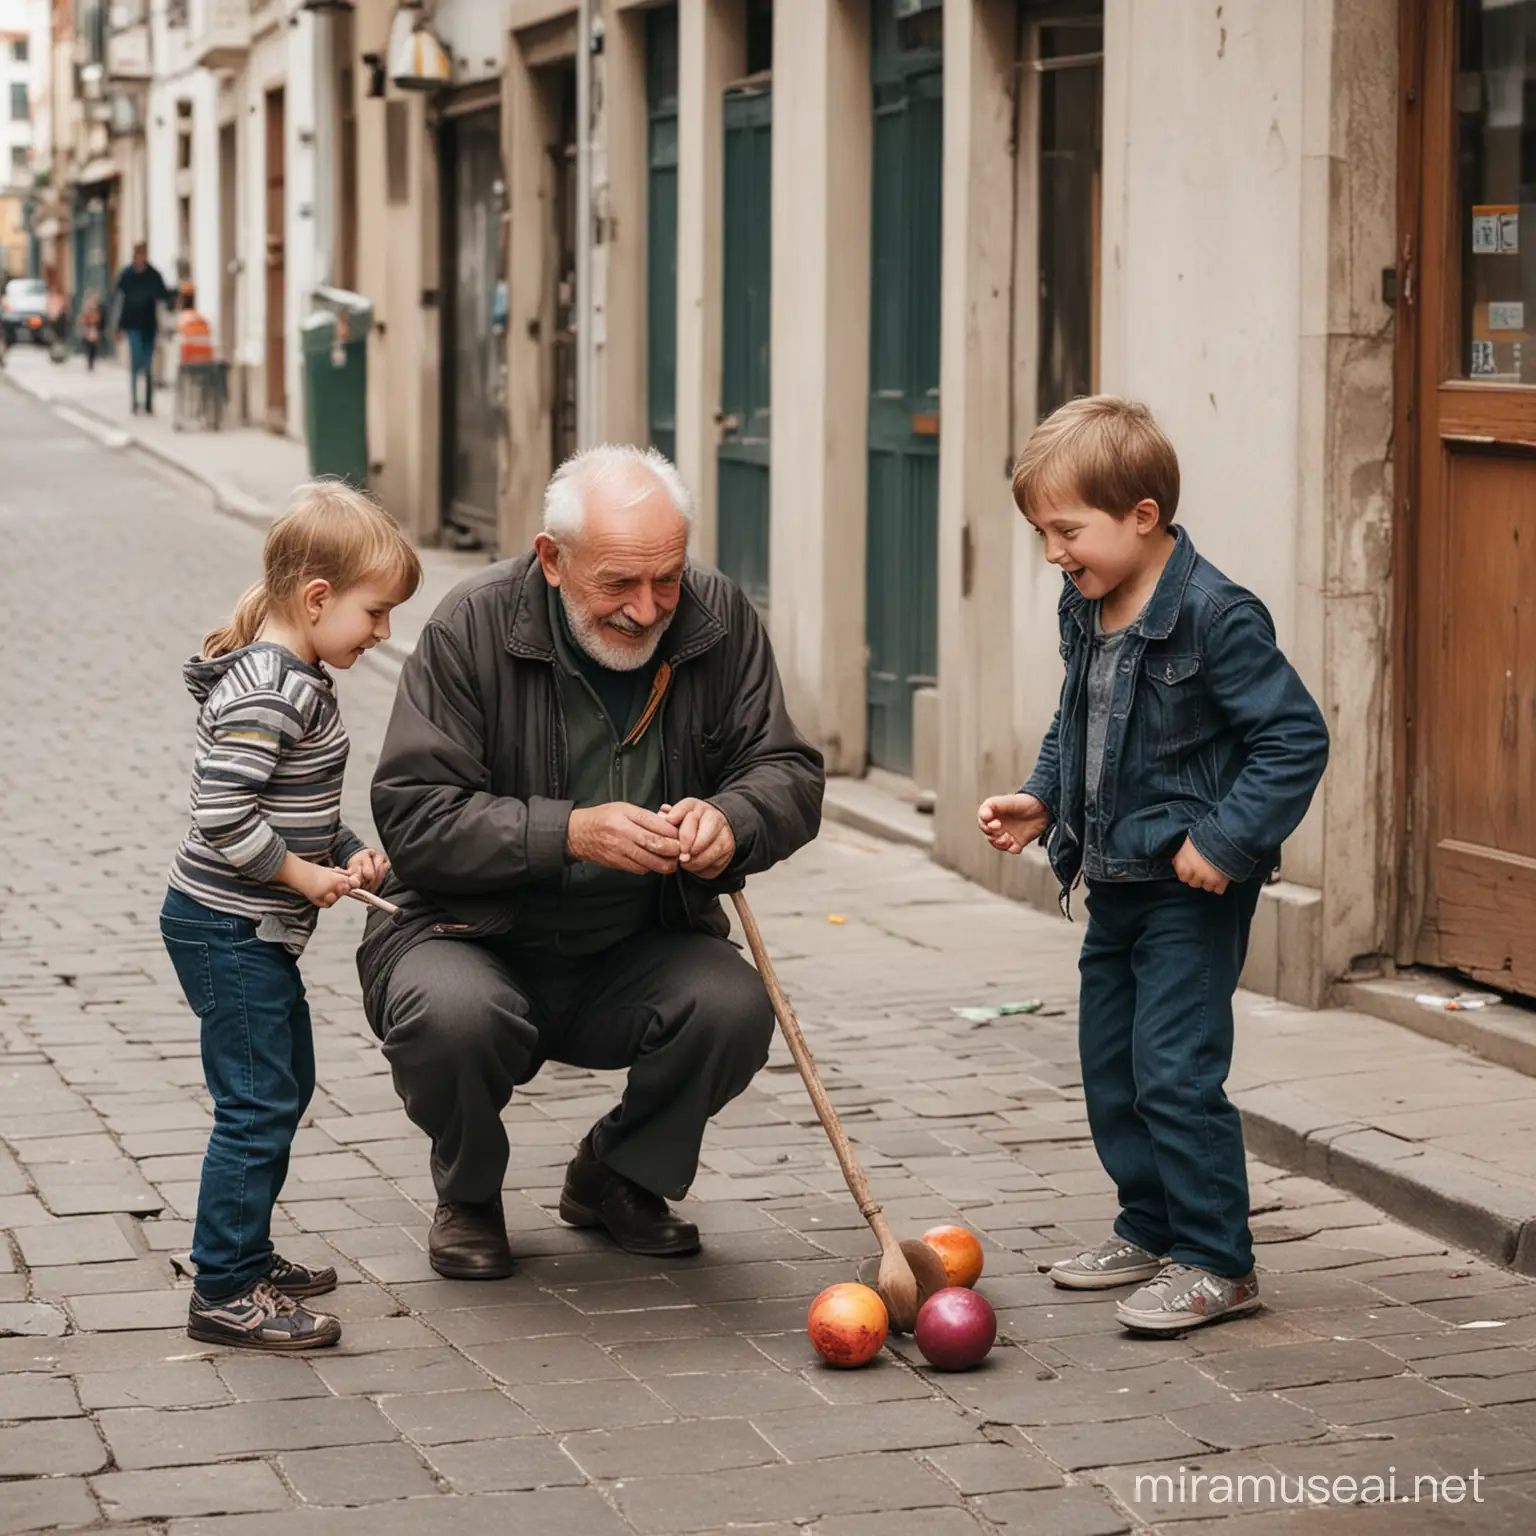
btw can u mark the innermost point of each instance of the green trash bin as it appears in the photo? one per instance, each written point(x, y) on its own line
point(335, 346)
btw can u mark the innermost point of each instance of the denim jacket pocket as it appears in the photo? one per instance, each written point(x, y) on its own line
point(1174, 698)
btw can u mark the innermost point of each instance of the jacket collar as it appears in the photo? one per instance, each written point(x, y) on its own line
point(695, 629)
point(1162, 611)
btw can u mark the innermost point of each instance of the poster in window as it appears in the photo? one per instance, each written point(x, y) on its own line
point(1495, 229)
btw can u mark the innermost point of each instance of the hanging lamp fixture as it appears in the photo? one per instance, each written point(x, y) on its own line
point(418, 61)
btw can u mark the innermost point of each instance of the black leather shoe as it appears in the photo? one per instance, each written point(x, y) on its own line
point(638, 1221)
point(468, 1241)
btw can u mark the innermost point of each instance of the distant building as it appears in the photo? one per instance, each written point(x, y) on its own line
point(15, 134)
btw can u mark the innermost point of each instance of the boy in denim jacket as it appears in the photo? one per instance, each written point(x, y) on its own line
point(1184, 752)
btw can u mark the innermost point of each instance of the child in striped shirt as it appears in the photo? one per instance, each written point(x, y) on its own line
point(266, 849)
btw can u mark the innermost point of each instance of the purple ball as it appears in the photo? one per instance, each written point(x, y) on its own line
point(956, 1328)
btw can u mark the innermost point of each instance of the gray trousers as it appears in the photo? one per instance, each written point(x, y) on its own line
point(465, 1022)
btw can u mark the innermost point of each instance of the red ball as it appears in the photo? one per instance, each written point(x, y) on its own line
point(956, 1328)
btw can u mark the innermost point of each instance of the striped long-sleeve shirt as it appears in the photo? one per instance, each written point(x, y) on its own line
point(266, 782)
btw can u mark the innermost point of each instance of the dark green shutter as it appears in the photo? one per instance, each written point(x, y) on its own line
point(905, 233)
point(743, 459)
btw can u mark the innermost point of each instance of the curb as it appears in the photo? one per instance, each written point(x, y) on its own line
point(227, 501)
point(1500, 1033)
point(111, 435)
point(1437, 1192)
point(841, 805)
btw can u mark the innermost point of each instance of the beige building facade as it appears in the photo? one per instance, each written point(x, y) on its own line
point(813, 219)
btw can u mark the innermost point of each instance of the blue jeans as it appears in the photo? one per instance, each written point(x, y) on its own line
point(141, 360)
point(1159, 966)
point(259, 1062)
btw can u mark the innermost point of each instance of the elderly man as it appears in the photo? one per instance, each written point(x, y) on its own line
point(589, 746)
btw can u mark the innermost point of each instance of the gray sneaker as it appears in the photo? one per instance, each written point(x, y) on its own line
point(1114, 1262)
point(1183, 1297)
point(261, 1318)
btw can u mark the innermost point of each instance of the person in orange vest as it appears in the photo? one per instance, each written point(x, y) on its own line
point(193, 332)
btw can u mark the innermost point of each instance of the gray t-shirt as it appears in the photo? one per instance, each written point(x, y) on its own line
point(1103, 657)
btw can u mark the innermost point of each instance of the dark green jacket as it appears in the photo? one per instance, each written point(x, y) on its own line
point(470, 792)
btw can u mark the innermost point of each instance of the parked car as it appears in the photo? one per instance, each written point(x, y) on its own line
point(24, 310)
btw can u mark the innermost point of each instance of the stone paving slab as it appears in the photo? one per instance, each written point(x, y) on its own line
point(596, 1392)
point(214, 1490)
point(47, 1503)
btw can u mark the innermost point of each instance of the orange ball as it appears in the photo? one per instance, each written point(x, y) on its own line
point(847, 1325)
point(960, 1252)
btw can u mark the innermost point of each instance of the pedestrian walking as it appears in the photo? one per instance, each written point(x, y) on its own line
point(56, 315)
point(266, 849)
point(1184, 752)
point(90, 328)
point(141, 291)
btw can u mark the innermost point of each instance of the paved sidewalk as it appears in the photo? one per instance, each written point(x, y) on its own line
point(593, 1392)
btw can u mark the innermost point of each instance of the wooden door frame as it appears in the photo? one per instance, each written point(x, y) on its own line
point(1430, 271)
point(1468, 416)
point(1411, 850)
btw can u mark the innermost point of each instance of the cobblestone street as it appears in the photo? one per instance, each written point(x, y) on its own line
point(594, 1392)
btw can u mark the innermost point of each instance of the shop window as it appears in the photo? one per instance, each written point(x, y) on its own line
point(1496, 127)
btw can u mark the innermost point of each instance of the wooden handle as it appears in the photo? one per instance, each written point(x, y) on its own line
point(370, 900)
point(858, 1185)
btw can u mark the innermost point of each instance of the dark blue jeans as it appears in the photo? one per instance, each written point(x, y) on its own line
point(141, 360)
point(259, 1063)
point(1159, 966)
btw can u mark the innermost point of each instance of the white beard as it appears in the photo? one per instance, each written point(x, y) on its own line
point(592, 635)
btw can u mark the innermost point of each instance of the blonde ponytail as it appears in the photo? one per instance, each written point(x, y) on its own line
point(244, 624)
point(330, 532)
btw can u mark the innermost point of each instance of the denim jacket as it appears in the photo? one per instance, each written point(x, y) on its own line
point(1211, 735)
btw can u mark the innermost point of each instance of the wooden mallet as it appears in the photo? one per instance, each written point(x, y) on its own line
point(910, 1272)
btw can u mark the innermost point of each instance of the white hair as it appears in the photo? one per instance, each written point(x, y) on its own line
point(565, 497)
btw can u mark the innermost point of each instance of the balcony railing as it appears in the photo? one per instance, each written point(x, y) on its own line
point(219, 32)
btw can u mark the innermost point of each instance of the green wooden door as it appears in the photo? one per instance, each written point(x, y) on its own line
point(902, 559)
point(661, 228)
point(743, 462)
